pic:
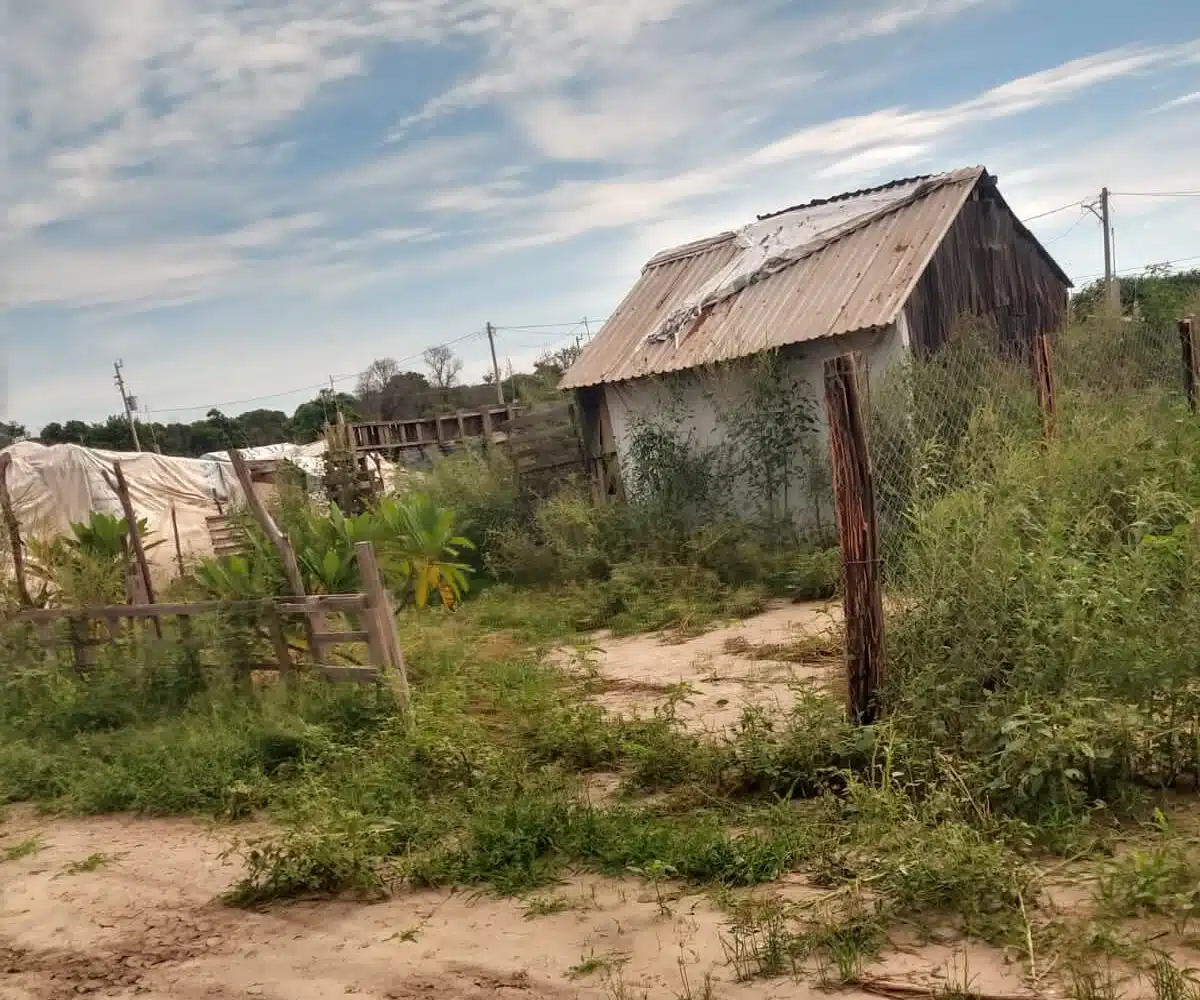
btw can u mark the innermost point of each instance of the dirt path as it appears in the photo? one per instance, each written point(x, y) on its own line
point(759, 661)
point(143, 920)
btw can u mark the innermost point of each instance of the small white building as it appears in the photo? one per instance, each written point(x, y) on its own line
point(886, 272)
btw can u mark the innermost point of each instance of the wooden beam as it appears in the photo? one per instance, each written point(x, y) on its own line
point(1043, 373)
point(854, 496)
point(118, 483)
point(291, 568)
point(381, 622)
point(14, 533)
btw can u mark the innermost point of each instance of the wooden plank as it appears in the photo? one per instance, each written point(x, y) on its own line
point(854, 502)
point(291, 568)
point(284, 605)
point(336, 638)
point(352, 675)
point(135, 538)
point(381, 622)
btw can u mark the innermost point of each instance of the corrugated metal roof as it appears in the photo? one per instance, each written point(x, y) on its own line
point(859, 279)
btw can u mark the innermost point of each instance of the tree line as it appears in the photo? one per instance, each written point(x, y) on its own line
point(384, 391)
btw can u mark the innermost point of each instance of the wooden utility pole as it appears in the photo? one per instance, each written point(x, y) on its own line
point(127, 402)
point(491, 335)
point(1188, 335)
point(854, 501)
point(14, 532)
point(1111, 292)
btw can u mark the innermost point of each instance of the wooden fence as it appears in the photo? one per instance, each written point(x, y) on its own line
point(546, 447)
point(371, 611)
point(416, 437)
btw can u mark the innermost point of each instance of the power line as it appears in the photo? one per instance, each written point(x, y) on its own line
point(552, 326)
point(1157, 194)
point(1053, 211)
point(1142, 267)
point(332, 379)
point(1074, 225)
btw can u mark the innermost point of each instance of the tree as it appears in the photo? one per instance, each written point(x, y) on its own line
point(405, 396)
point(10, 432)
point(376, 376)
point(444, 366)
point(309, 420)
point(259, 427)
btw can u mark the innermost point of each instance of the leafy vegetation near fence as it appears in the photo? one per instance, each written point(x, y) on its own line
point(1042, 699)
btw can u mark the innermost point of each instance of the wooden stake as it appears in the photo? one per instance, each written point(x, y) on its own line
point(384, 639)
point(1043, 373)
point(14, 533)
point(121, 487)
point(178, 546)
point(854, 496)
point(1191, 363)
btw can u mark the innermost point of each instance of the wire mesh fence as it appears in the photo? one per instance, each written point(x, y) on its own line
point(941, 422)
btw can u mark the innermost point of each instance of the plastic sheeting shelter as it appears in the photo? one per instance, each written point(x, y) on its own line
point(53, 487)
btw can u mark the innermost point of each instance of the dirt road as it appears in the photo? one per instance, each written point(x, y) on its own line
point(123, 908)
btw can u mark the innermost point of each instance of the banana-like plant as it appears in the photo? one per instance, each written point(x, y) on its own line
point(422, 544)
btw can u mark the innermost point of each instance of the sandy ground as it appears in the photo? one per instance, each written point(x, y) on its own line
point(146, 923)
point(639, 672)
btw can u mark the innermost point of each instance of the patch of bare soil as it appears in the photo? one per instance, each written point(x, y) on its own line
point(759, 661)
point(144, 923)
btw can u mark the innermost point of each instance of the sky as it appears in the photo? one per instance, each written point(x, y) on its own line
point(242, 199)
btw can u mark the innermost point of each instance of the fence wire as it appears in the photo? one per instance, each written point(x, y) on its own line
point(940, 422)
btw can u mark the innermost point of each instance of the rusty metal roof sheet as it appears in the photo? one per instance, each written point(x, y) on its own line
point(858, 278)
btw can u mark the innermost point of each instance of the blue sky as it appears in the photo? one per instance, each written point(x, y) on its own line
point(240, 198)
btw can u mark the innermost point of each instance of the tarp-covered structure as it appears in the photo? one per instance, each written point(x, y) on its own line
point(53, 487)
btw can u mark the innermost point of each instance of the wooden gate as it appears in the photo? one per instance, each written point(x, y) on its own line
point(545, 447)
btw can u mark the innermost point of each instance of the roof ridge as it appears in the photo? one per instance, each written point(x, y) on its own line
point(848, 195)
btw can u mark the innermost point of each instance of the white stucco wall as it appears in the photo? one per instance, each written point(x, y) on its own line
point(695, 402)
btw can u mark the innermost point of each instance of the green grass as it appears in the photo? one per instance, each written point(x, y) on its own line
point(22, 849)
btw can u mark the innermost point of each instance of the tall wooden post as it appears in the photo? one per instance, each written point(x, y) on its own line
point(121, 488)
point(1188, 335)
point(854, 500)
point(1043, 375)
point(14, 533)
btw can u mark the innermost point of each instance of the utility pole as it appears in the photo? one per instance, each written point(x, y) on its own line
point(1106, 218)
point(1112, 295)
point(127, 402)
point(587, 329)
point(491, 335)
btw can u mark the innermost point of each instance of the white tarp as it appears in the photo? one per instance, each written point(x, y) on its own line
point(769, 245)
point(52, 487)
point(309, 457)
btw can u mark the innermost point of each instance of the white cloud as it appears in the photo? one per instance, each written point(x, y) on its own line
point(1180, 102)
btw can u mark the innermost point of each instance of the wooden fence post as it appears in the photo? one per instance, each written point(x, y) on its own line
point(121, 488)
point(178, 545)
point(1188, 345)
point(384, 641)
point(1043, 373)
point(14, 533)
point(854, 499)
